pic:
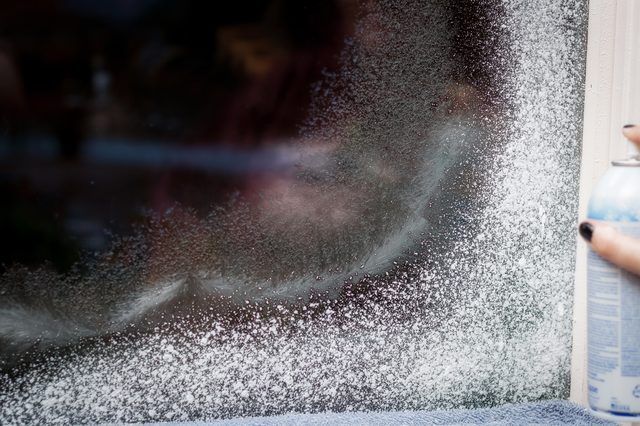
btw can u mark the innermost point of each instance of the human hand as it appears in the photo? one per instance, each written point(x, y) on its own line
point(617, 248)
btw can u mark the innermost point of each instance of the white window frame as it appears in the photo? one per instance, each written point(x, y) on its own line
point(612, 99)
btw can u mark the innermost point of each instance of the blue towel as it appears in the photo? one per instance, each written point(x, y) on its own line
point(544, 413)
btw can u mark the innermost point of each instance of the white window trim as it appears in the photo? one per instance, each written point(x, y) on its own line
point(612, 99)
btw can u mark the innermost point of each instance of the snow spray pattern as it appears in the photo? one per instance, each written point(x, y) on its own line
point(478, 315)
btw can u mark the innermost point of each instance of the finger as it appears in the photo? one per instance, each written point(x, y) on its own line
point(617, 248)
point(632, 132)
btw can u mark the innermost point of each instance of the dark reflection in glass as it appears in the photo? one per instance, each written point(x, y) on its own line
point(112, 109)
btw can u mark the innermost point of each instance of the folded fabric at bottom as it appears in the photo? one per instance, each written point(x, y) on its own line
point(544, 412)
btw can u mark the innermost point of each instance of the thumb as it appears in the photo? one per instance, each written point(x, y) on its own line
point(632, 132)
point(617, 248)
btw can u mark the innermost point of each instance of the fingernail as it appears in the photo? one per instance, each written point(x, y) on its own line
point(586, 231)
point(628, 126)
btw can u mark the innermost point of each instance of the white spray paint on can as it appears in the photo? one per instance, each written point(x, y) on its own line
point(614, 301)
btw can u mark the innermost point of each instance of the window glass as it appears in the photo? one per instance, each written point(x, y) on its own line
point(213, 209)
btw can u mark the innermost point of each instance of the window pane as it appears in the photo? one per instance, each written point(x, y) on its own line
point(215, 210)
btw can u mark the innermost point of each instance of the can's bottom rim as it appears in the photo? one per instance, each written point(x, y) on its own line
point(633, 161)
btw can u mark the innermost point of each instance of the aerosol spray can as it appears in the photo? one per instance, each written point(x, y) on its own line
point(613, 300)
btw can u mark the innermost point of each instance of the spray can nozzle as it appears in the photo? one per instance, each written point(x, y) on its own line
point(633, 156)
point(632, 149)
